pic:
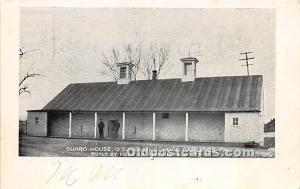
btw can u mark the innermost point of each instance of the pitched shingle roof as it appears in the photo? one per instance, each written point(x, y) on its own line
point(230, 93)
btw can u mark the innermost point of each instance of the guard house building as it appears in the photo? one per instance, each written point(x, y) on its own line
point(207, 109)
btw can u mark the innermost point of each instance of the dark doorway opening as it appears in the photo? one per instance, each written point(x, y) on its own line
point(110, 128)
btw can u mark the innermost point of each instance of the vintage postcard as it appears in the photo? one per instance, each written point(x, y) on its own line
point(131, 96)
point(138, 82)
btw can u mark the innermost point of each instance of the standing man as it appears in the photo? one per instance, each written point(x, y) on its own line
point(100, 128)
point(116, 129)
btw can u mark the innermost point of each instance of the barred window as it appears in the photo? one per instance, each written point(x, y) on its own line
point(235, 121)
point(123, 72)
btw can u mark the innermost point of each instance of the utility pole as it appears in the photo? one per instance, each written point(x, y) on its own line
point(246, 59)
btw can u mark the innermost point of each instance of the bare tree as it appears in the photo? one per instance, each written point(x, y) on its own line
point(23, 87)
point(134, 54)
point(148, 67)
point(153, 57)
point(110, 62)
point(156, 59)
point(129, 53)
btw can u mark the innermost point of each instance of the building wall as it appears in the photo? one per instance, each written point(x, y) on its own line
point(269, 142)
point(269, 139)
point(37, 123)
point(249, 128)
point(58, 124)
point(172, 128)
point(202, 126)
point(206, 127)
point(269, 134)
point(138, 126)
point(83, 125)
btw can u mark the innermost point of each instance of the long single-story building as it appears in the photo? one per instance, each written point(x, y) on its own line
point(206, 109)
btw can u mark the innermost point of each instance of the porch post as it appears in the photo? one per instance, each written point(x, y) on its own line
point(153, 127)
point(95, 131)
point(70, 124)
point(123, 128)
point(186, 126)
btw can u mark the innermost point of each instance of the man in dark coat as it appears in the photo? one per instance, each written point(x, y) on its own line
point(101, 126)
point(116, 129)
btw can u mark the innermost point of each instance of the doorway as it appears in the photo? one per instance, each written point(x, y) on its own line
point(110, 129)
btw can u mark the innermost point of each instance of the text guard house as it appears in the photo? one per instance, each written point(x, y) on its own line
point(220, 109)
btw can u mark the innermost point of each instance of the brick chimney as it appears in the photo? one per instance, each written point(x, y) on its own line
point(124, 72)
point(189, 68)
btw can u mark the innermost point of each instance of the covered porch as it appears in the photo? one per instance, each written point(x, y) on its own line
point(156, 126)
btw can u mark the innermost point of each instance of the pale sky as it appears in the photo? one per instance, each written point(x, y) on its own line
point(70, 42)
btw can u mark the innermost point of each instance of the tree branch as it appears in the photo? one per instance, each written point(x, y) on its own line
point(27, 76)
point(22, 53)
point(24, 89)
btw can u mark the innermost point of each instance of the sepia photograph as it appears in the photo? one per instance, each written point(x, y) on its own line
point(147, 82)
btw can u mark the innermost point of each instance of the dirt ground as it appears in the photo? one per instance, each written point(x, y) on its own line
point(64, 147)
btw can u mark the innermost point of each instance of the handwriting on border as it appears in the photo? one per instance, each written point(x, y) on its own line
point(69, 174)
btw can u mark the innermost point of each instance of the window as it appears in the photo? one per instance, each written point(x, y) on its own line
point(123, 72)
point(36, 120)
point(235, 121)
point(165, 115)
point(187, 68)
